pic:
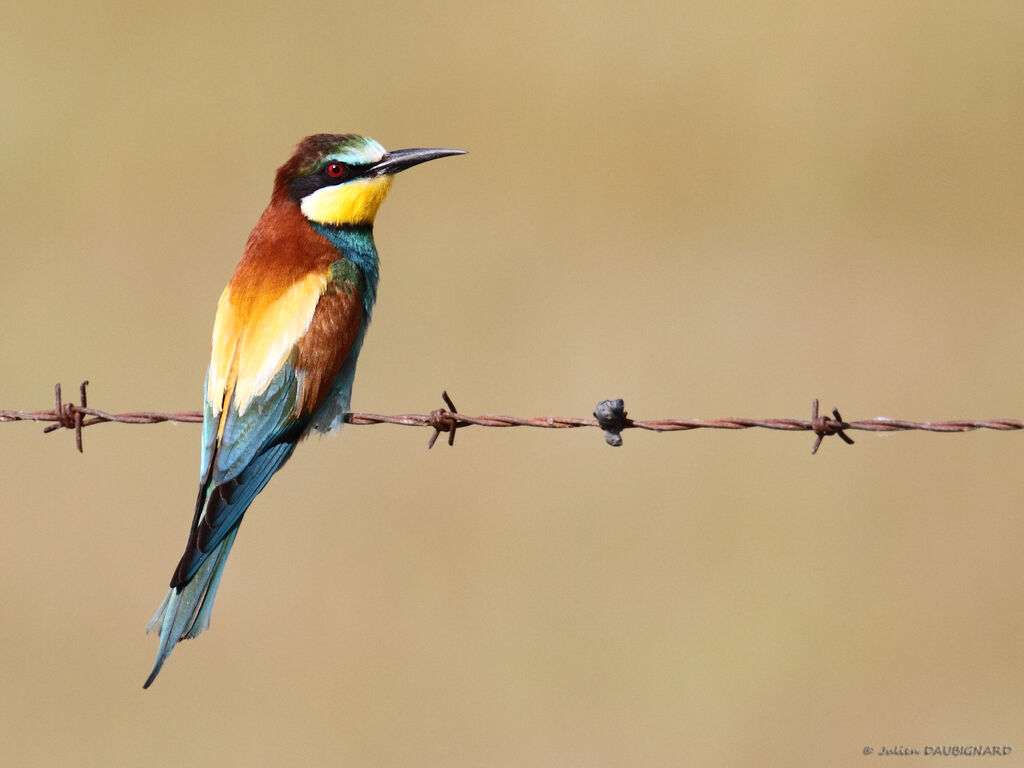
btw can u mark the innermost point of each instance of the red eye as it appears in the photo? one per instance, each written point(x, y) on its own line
point(335, 170)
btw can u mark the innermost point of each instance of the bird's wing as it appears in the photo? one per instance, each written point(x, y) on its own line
point(273, 361)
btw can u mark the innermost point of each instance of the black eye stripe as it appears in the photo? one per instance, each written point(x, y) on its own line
point(322, 177)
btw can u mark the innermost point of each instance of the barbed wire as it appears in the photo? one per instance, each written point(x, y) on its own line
point(609, 416)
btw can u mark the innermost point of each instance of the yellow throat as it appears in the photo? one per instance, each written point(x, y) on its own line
point(353, 203)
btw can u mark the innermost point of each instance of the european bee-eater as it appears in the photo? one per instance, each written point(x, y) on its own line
point(288, 331)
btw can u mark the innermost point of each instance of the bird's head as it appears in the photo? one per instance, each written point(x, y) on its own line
point(341, 179)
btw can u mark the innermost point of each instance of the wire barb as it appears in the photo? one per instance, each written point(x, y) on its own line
point(68, 416)
point(824, 426)
point(444, 421)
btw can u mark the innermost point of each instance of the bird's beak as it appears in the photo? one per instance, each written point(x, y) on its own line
point(400, 159)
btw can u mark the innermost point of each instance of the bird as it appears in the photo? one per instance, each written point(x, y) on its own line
point(286, 338)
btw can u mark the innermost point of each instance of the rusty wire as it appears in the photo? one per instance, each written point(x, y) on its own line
point(610, 416)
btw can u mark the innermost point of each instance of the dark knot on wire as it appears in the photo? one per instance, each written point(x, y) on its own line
point(611, 417)
point(444, 420)
point(823, 426)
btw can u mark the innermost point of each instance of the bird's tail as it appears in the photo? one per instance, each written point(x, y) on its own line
point(185, 612)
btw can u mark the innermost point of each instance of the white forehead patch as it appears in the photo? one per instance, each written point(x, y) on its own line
point(361, 151)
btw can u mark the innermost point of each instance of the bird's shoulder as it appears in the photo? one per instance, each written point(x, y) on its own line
point(294, 298)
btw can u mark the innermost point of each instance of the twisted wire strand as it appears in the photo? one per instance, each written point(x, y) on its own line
point(610, 416)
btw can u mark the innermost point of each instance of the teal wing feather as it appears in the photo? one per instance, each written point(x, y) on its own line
point(254, 444)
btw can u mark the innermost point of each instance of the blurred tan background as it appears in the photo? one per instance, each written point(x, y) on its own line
point(708, 209)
